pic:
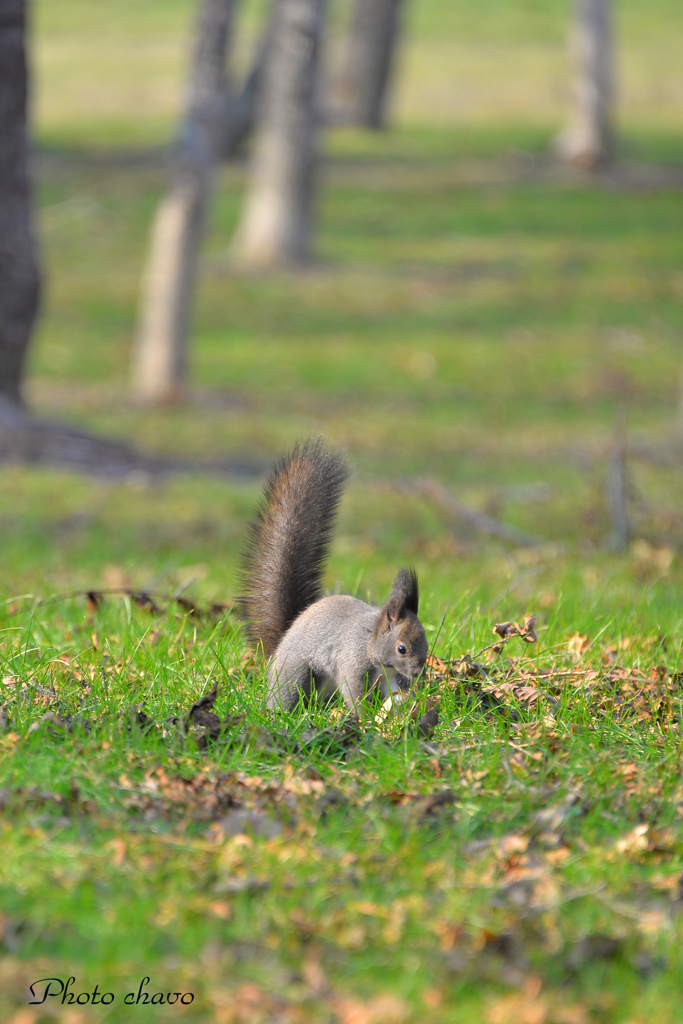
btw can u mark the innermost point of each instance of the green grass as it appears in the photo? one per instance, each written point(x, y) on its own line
point(475, 315)
point(110, 877)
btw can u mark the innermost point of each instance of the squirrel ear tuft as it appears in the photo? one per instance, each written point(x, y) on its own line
point(404, 596)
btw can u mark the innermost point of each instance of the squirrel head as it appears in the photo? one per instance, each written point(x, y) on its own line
point(400, 639)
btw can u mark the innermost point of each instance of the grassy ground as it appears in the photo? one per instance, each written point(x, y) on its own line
point(477, 316)
point(113, 73)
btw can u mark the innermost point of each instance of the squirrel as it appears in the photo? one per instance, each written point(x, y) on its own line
point(335, 644)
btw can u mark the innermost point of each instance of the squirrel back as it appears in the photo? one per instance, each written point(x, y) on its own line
point(289, 540)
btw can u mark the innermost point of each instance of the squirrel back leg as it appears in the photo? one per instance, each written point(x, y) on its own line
point(285, 689)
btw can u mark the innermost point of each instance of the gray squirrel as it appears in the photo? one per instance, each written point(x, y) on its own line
point(333, 644)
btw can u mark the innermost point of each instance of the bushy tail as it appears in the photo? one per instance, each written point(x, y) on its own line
point(289, 539)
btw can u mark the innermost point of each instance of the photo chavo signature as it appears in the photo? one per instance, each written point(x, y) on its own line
point(53, 988)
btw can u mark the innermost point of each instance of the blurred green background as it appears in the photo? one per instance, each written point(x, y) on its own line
point(475, 313)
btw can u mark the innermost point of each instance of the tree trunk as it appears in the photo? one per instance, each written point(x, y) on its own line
point(618, 487)
point(160, 352)
point(588, 141)
point(276, 222)
point(19, 277)
point(237, 111)
point(373, 37)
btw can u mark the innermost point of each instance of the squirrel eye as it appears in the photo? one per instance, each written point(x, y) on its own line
point(401, 648)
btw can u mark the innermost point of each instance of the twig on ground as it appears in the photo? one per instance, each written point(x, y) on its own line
point(143, 599)
point(475, 519)
point(506, 632)
point(617, 489)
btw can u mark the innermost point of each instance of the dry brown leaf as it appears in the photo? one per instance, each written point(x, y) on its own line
point(529, 629)
point(382, 1009)
point(118, 848)
point(432, 998)
point(300, 785)
point(504, 629)
point(652, 922)
point(667, 883)
point(577, 645)
point(313, 973)
point(509, 629)
point(525, 1007)
point(558, 856)
point(219, 908)
point(634, 842)
point(650, 561)
point(531, 1007)
point(24, 1016)
point(512, 843)
point(449, 933)
point(368, 908)
point(247, 1005)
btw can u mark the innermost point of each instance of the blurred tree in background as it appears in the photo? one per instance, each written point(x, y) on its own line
point(588, 141)
point(19, 277)
point(279, 94)
point(364, 89)
point(275, 229)
point(160, 352)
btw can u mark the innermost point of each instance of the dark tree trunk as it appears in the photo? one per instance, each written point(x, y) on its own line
point(19, 277)
point(373, 37)
point(160, 353)
point(588, 141)
point(276, 222)
point(237, 111)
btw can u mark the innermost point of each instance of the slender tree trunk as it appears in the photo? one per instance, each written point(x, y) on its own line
point(160, 352)
point(373, 37)
point(618, 487)
point(679, 411)
point(237, 111)
point(19, 278)
point(588, 141)
point(276, 221)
